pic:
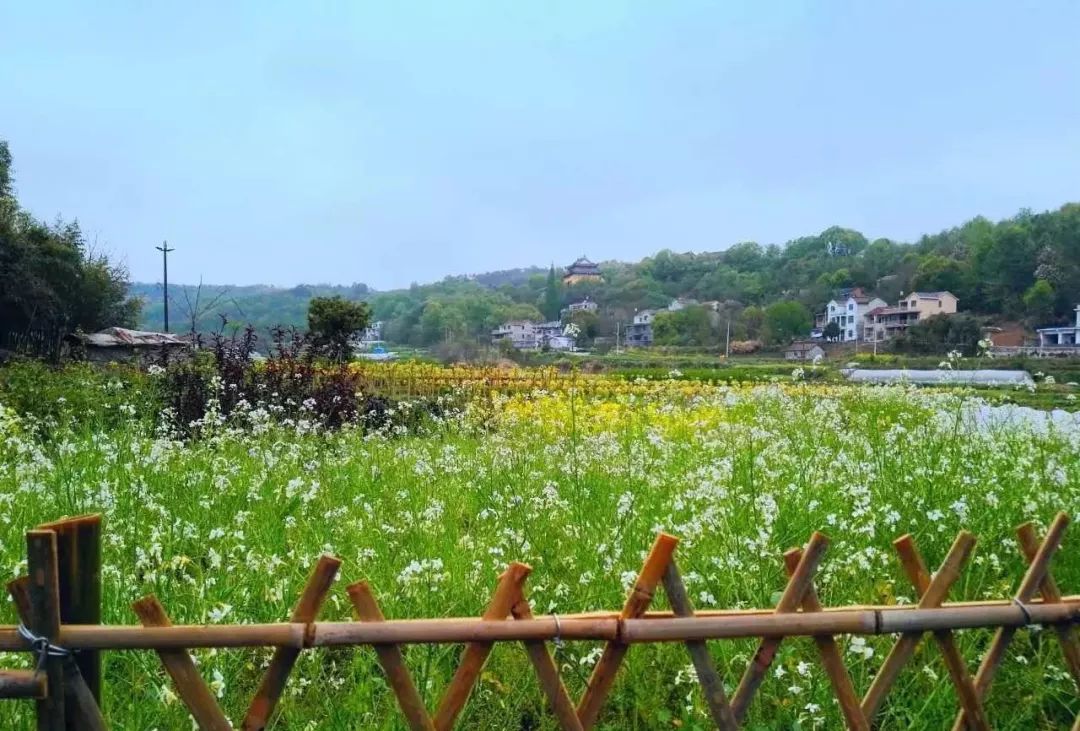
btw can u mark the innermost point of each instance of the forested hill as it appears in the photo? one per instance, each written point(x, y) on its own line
point(1024, 267)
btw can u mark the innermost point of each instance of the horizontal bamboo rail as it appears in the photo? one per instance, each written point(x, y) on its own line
point(456, 630)
point(21, 684)
point(66, 701)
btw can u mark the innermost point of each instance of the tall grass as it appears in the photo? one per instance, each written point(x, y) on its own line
point(225, 528)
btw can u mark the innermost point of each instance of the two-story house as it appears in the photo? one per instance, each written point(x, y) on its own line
point(519, 333)
point(849, 313)
point(884, 323)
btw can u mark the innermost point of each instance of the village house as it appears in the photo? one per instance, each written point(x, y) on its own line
point(849, 311)
point(585, 305)
point(582, 270)
point(639, 333)
point(528, 335)
point(1061, 337)
point(885, 323)
point(804, 350)
point(121, 345)
point(519, 333)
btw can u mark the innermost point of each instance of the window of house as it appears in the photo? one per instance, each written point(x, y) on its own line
point(850, 334)
point(850, 306)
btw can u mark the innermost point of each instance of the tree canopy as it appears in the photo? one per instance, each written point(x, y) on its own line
point(52, 280)
point(333, 322)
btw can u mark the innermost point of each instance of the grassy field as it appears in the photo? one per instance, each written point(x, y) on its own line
point(575, 482)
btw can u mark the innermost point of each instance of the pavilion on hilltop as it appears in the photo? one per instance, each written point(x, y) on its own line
point(582, 270)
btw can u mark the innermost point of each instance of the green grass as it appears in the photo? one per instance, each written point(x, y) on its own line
point(228, 527)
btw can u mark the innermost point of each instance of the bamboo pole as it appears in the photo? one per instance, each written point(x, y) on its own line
point(281, 664)
point(22, 684)
point(831, 658)
point(603, 675)
point(44, 618)
point(78, 545)
point(757, 612)
point(858, 621)
point(789, 601)
point(81, 709)
point(562, 706)
point(932, 598)
point(392, 661)
point(919, 575)
point(190, 686)
point(1070, 647)
point(476, 653)
point(712, 687)
point(1029, 585)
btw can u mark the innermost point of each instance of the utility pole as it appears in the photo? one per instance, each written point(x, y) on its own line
point(727, 341)
point(164, 249)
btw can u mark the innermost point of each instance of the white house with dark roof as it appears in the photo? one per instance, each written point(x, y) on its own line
point(848, 313)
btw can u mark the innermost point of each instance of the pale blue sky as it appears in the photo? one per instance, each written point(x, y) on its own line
point(390, 142)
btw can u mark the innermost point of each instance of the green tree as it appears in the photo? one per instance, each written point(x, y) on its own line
point(552, 296)
point(1039, 301)
point(752, 322)
point(832, 330)
point(688, 326)
point(941, 334)
point(785, 320)
point(332, 322)
point(50, 280)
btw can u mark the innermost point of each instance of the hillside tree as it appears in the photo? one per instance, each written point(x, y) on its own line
point(333, 322)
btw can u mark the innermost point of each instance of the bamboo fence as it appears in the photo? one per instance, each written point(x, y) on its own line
point(59, 605)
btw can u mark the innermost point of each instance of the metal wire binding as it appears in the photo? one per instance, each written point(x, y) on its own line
point(558, 631)
point(42, 647)
point(1024, 609)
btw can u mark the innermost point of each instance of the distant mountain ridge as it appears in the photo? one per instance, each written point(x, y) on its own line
point(1023, 267)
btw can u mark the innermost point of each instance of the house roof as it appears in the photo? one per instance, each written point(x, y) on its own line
point(583, 266)
point(117, 337)
point(802, 347)
point(930, 295)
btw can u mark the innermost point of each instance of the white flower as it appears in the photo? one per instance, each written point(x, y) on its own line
point(219, 612)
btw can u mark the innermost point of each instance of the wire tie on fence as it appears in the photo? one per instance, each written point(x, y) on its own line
point(558, 631)
point(1024, 609)
point(42, 647)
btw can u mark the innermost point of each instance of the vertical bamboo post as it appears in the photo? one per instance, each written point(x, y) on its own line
point(45, 622)
point(831, 658)
point(790, 600)
point(904, 647)
point(81, 712)
point(281, 664)
point(712, 687)
point(548, 673)
point(1030, 584)
point(78, 555)
point(476, 653)
point(190, 686)
point(1070, 647)
point(641, 594)
point(392, 661)
point(919, 575)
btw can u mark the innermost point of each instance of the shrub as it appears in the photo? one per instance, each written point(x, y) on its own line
point(53, 398)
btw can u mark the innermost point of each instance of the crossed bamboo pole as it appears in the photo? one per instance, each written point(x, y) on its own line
point(66, 699)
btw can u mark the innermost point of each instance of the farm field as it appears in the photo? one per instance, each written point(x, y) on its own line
point(574, 477)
